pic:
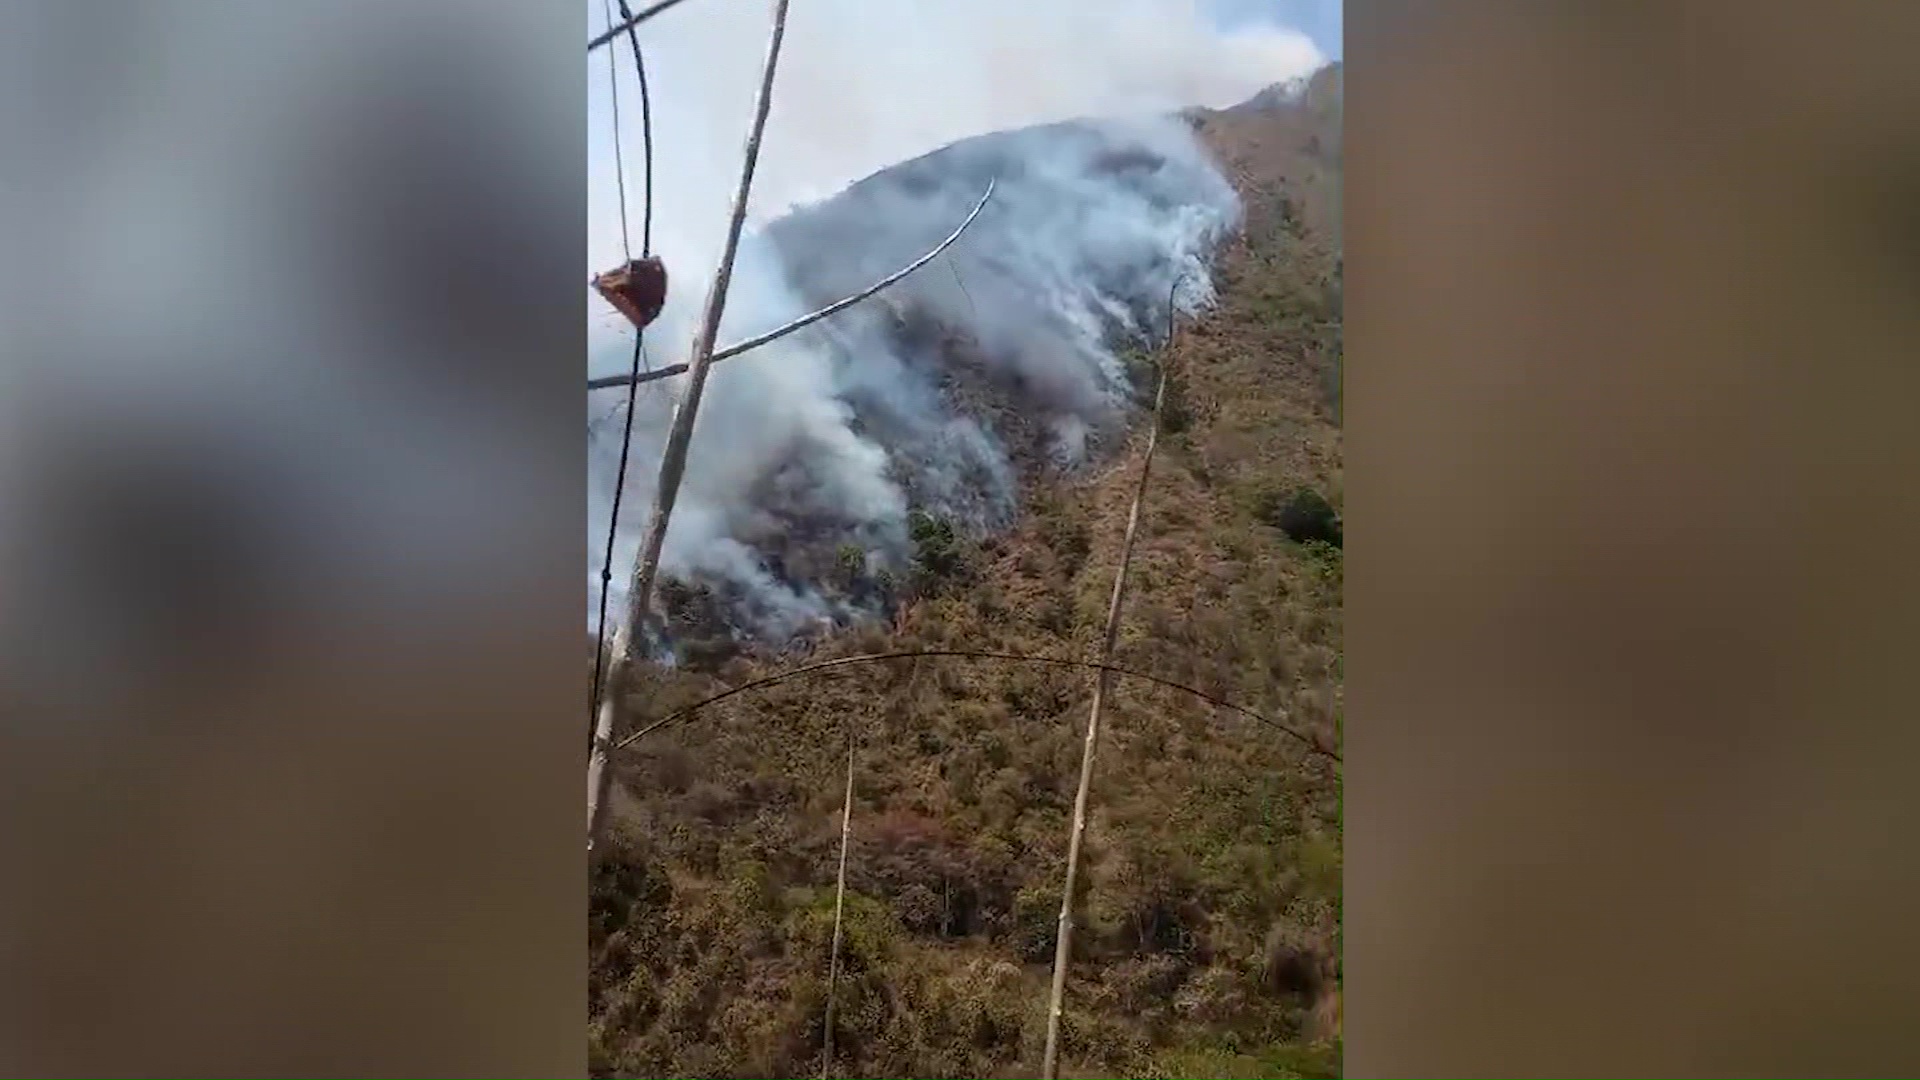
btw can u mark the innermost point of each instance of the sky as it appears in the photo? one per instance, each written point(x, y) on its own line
point(862, 86)
point(1320, 20)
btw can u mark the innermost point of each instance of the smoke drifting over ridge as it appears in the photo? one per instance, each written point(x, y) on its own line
point(999, 352)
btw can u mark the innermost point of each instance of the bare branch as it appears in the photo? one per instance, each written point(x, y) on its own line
point(803, 321)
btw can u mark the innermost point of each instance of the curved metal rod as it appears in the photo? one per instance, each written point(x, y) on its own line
point(630, 22)
point(803, 321)
point(678, 715)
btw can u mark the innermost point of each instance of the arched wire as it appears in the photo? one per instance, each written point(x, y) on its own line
point(810, 318)
point(680, 715)
point(646, 133)
point(639, 338)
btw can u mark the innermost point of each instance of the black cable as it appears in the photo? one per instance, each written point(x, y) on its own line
point(639, 349)
point(613, 530)
point(646, 133)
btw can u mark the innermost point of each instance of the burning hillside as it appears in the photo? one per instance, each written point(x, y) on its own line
point(816, 456)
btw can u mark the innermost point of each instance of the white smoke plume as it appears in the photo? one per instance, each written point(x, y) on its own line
point(828, 437)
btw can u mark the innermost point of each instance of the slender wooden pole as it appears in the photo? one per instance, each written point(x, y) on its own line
point(1063, 942)
point(839, 906)
point(673, 463)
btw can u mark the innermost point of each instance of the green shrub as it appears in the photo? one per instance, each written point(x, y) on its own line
point(850, 564)
point(1303, 514)
point(1036, 923)
point(936, 547)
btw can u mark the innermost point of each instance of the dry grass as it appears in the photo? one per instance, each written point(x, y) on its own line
point(1209, 937)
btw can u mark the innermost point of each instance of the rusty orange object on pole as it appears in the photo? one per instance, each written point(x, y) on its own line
point(638, 289)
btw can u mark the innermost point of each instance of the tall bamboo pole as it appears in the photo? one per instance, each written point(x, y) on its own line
point(1063, 942)
point(839, 906)
point(673, 463)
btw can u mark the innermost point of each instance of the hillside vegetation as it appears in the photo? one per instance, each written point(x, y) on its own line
point(1209, 942)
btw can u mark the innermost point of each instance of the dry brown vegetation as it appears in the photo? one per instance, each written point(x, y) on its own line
point(1209, 939)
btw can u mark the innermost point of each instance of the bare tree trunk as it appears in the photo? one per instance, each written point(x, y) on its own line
point(673, 463)
point(839, 906)
point(1063, 943)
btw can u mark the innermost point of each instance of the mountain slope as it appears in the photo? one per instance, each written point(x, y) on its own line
point(1210, 934)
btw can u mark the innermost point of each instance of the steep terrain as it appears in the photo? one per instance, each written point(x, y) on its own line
point(943, 397)
point(1210, 937)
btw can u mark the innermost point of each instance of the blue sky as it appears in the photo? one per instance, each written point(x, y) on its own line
point(1318, 19)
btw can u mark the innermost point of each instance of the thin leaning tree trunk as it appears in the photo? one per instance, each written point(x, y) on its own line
point(673, 463)
point(1063, 943)
point(839, 907)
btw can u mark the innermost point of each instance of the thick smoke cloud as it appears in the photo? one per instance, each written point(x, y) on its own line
point(999, 354)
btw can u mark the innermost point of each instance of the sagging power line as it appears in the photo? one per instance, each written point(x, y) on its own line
point(681, 715)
